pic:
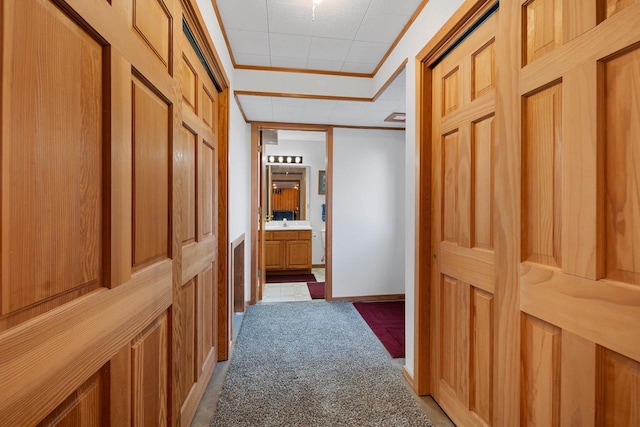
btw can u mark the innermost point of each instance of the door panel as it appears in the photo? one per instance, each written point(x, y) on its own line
point(107, 172)
point(463, 263)
point(579, 302)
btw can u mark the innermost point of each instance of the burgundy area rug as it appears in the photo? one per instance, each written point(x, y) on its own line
point(316, 290)
point(386, 320)
point(291, 278)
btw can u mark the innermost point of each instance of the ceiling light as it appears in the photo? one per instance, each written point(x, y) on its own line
point(396, 118)
point(313, 14)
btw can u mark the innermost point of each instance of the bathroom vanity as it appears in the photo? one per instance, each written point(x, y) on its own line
point(288, 249)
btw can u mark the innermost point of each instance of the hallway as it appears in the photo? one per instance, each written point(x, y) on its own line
point(311, 363)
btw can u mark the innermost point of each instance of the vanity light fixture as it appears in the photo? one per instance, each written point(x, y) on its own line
point(286, 159)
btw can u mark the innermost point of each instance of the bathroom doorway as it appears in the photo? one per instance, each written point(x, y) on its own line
point(291, 192)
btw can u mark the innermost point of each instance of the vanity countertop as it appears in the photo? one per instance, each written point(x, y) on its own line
point(289, 225)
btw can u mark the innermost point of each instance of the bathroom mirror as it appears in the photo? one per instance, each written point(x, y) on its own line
point(288, 193)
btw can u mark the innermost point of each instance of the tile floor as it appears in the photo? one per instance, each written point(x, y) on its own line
point(285, 292)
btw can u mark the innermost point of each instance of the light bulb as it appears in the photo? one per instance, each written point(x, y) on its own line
point(288, 159)
point(297, 159)
point(280, 159)
point(272, 159)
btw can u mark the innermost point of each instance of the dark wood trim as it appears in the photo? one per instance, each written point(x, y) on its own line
point(424, 370)
point(302, 96)
point(225, 333)
point(244, 116)
point(328, 200)
point(390, 297)
point(406, 27)
point(302, 71)
point(255, 213)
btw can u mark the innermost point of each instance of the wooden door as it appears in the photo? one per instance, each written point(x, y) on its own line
point(463, 266)
point(573, 85)
point(108, 243)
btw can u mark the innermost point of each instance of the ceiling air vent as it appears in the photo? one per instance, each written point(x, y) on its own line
point(270, 137)
point(396, 118)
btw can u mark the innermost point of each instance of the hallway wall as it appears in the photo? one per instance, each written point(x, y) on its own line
point(240, 187)
point(368, 212)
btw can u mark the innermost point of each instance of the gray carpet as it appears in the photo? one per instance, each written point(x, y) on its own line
point(313, 364)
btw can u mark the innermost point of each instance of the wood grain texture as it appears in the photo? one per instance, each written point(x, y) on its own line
point(614, 6)
point(187, 357)
point(484, 69)
point(188, 146)
point(543, 27)
point(84, 407)
point(450, 215)
point(208, 111)
point(483, 141)
point(619, 390)
point(450, 92)
point(582, 167)
point(578, 382)
point(189, 84)
point(601, 311)
point(481, 355)
point(151, 145)
point(43, 373)
point(469, 265)
point(622, 154)
point(578, 17)
point(150, 375)
point(52, 207)
point(540, 394)
point(507, 240)
point(152, 22)
point(207, 184)
point(542, 177)
point(448, 332)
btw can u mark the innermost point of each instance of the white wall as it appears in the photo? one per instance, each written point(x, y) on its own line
point(368, 212)
point(314, 155)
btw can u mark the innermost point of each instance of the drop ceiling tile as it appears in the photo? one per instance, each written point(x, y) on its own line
point(254, 100)
point(395, 7)
point(329, 49)
point(337, 23)
point(284, 102)
point(286, 115)
point(320, 64)
point(243, 14)
point(325, 104)
point(380, 27)
point(358, 67)
point(261, 113)
point(249, 42)
point(257, 60)
point(289, 46)
point(367, 52)
point(284, 62)
point(286, 18)
point(393, 93)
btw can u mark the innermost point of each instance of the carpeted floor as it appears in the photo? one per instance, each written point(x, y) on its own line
point(386, 320)
point(313, 364)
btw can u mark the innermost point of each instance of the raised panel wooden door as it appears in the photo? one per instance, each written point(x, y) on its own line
point(463, 271)
point(108, 171)
point(579, 263)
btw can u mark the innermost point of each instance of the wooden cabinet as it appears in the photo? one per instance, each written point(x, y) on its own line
point(288, 250)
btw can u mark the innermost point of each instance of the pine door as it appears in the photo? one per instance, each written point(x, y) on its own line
point(573, 84)
point(463, 266)
point(108, 229)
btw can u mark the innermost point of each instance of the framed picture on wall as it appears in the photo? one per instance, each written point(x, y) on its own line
point(322, 182)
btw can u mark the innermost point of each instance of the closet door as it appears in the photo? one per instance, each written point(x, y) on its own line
point(578, 262)
point(463, 265)
point(105, 178)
